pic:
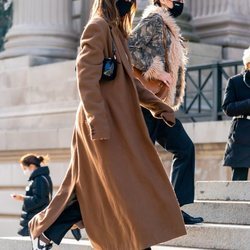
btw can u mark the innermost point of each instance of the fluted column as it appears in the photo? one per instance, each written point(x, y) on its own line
point(41, 28)
point(86, 8)
point(141, 5)
point(223, 22)
point(186, 25)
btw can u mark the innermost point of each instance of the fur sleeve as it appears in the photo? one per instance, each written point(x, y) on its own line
point(146, 46)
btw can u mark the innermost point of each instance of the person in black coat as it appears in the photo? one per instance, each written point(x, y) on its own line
point(38, 191)
point(38, 194)
point(236, 104)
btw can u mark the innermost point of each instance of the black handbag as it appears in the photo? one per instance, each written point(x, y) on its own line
point(109, 68)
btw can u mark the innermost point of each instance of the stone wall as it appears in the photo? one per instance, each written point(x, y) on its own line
point(38, 102)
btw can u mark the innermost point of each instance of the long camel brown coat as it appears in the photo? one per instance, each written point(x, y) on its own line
point(125, 197)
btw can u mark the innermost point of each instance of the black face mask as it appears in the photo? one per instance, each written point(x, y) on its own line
point(123, 7)
point(177, 9)
point(247, 74)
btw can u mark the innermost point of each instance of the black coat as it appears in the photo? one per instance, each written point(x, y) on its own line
point(237, 103)
point(37, 197)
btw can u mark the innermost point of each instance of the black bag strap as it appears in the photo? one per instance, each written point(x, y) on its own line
point(113, 43)
point(50, 193)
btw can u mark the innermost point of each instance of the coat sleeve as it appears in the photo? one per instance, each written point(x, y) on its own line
point(89, 70)
point(231, 106)
point(40, 190)
point(147, 47)
point(151, 102)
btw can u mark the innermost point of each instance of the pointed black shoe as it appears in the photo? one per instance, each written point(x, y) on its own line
point(76, 233)
point(190, 220)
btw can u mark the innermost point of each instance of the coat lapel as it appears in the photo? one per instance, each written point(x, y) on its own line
point(122, 50)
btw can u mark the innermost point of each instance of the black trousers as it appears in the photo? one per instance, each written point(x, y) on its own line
point(240, 174)
point(64, 222)
point(175, 140)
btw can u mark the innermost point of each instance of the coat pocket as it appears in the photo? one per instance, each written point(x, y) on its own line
point(241, 132)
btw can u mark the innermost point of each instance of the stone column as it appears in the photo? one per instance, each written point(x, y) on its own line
point(141, 5)
point(41, 28)
point(223, 22)
point(186, 25)
point(86, 8)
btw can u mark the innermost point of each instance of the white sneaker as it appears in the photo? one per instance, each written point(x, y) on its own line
point(37, 244)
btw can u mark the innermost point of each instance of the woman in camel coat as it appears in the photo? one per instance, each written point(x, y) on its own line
point(115, 172)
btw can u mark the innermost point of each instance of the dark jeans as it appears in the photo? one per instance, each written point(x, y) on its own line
point(175, 140)
point(240, 174)
point(64, 222)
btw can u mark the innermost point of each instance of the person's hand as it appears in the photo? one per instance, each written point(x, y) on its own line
point(166, 78)
point(74, 227)
point(18, 197)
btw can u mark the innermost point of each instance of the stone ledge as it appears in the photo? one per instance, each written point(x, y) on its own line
point(24, 62)
point(225, 212)
point(223, 190)
point(200, 133)
point(35, 139)
point(212, 236)
point(208, 132)
point(39, 109)
point(23, 243)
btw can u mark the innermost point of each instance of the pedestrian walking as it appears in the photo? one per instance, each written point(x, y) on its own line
point(236, 104)
point(159, 62)
point(115, 185)
point(38, 191)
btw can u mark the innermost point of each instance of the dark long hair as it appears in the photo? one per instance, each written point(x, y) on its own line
point(28, 159)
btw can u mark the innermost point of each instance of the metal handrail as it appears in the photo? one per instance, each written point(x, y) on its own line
point(205, 90)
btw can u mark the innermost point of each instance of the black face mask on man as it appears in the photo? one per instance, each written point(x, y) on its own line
point(177, 9)
point(123, 7)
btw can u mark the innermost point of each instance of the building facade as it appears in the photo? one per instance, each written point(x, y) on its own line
point(38, 96)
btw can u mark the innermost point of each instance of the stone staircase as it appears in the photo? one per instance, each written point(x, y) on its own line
point(23, 243)
point(225, 207)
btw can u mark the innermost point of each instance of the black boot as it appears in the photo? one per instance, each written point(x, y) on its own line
point(76, 233)
point(189, 220)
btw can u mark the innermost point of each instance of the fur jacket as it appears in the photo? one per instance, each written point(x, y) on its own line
point(148, 45)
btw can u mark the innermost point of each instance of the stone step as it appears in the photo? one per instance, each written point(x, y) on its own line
point(225, 212)
point(215, 236)
point(24, 243)
point(223, 190)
